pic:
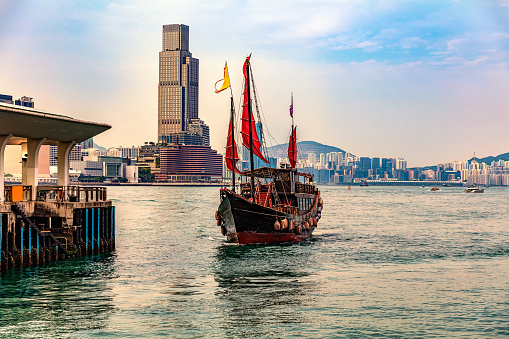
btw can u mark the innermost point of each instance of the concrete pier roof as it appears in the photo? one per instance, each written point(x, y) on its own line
point(23, 122)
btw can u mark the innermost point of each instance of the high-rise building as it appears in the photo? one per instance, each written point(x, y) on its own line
point(25, 101)
point(129, 152)
point(178, 89)
point(190, 163)
point(312, 159)
point(365, 163)
point(341, 159)
point(87, 144)
point(7, 99)
point(74, 155)
point(387, 166)
point(401, 164)
point(198, 127)
point(375, 163)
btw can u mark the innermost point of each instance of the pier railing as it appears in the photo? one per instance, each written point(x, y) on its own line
point(17, 193)
point(56, 193)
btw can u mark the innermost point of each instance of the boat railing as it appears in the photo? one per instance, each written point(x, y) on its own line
point(286, 208)
point(305, 188)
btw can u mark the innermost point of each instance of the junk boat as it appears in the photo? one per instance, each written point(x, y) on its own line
point(273, 205)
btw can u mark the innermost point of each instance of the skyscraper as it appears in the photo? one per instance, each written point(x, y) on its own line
point(178, 89)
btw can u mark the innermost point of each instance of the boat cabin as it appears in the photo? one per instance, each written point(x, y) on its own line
point(283, 188)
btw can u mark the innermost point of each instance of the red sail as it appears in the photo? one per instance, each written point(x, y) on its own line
point(292, 148)
point(231, 149)
point(245, 121)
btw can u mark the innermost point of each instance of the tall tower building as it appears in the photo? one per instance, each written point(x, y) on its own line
point(178, 87)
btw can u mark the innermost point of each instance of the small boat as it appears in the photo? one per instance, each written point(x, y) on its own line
point(364, 183)
point(474, 188)
point(423, 186)
point(274, 205)
point(433, 189)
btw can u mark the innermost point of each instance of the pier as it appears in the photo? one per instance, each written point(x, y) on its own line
point(39, 224)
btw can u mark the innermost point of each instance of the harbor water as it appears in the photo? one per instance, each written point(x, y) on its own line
point(385, 262)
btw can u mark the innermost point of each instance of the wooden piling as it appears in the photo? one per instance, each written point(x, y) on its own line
point(62, 230)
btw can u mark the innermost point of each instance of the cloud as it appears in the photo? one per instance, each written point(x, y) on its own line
point(480, 60)
point(455, 44)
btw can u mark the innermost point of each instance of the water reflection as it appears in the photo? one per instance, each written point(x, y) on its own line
point(262, 288)
point(57, 299)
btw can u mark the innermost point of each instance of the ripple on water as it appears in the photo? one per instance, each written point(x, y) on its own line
point(384, 262)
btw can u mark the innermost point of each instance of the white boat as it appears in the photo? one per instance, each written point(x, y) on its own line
point(474, 188)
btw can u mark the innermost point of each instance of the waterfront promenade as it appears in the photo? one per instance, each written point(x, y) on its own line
point(43, 223)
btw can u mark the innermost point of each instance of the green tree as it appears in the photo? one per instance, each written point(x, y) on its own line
point(145, 175)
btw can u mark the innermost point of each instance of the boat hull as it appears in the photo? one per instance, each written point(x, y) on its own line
point(246, 222)
point(481, 190)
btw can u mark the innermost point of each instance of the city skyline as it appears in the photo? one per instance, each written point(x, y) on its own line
point(425, 81)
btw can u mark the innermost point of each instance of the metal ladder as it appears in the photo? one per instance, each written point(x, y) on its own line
point(20, 213)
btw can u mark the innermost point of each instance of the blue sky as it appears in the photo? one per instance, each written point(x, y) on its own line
point(422, 80)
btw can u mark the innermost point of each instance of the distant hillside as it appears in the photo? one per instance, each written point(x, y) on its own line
point(303, 148)
point(489, 159)
point(99, 147)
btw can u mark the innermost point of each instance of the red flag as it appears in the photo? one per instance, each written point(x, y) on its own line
point(291, 107)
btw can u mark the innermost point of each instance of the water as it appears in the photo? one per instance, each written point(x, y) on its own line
point(388, 262)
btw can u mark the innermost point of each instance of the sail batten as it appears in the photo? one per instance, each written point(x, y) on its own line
point(246, 121)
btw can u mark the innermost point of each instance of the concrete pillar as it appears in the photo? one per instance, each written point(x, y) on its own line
point(3, 142)
point(31, 164)
point(64, 149)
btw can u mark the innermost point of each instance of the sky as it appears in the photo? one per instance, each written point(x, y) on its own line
point(427, 80)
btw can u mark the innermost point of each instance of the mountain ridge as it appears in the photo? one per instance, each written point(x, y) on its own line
point(303, 149)
point(489, 159)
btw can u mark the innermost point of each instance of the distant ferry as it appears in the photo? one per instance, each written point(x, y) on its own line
point(474, 189)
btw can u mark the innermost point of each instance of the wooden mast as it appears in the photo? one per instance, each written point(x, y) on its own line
point(234, 165)
point(294, 141)
point(250, 113)
point(291, 135)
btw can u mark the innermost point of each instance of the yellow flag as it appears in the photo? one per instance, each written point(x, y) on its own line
point(226, 80)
